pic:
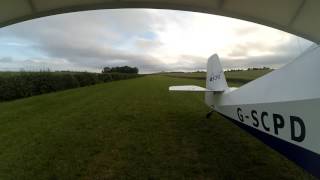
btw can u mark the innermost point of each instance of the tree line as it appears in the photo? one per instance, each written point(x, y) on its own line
point(121, 69)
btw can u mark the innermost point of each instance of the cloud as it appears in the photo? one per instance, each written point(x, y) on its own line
point(152, 40)
point(5, 60)
point(147, 44)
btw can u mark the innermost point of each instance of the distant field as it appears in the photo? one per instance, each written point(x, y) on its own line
point(8, 73)
point(238, 77)
point(130, 129)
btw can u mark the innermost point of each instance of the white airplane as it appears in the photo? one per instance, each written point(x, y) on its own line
point(280, 108)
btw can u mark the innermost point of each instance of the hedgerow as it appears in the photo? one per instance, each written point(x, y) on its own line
point(27, 84)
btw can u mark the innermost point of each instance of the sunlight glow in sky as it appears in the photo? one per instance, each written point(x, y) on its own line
point(152, 40)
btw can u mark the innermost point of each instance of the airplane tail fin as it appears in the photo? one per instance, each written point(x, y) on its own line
point(216, 80)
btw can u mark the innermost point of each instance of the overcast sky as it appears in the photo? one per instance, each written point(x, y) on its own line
point(152, 40)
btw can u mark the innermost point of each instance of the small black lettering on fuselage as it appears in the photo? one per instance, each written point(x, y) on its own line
point(274, 123)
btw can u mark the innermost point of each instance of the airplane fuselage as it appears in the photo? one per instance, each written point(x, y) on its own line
point(281, 108)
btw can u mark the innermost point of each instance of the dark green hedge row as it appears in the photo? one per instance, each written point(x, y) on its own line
point(34, 83)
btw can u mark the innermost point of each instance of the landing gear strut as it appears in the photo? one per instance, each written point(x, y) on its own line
point(209, 114)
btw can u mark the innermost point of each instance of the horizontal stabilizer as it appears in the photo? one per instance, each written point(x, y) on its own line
point(191, 88)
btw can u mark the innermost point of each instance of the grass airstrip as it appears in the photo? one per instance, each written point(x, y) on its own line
point(132, 129)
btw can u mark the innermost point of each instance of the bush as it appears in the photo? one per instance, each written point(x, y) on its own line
point(29, 84)
point(121, 69)
point(86, 79)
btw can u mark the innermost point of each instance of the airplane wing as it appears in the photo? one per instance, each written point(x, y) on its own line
point(191, 88)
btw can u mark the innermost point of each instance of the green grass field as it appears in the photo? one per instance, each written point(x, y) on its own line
point(237, 77)
point(130, 129)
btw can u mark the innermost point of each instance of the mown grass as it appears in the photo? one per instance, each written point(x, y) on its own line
point(130, 129)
